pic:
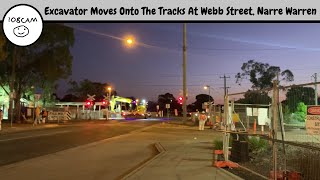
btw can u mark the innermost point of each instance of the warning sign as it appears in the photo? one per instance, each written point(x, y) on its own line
point(313, 120)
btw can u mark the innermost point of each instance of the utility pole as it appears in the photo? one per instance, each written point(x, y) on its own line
point(315, 76)
point(225, 85)
point(184, 64)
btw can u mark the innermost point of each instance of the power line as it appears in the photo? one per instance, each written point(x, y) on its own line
point(242, 49)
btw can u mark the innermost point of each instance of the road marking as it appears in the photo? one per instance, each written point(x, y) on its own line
point(39, 135)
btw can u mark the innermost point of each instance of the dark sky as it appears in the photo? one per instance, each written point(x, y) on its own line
point(154, 66)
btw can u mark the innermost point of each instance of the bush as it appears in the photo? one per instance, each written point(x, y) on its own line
point(257, 145)
point(218, 144)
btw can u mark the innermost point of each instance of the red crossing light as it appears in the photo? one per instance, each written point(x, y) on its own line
point(180, 100)
point(89, 103)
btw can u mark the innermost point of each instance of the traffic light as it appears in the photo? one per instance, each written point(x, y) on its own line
point(180, 100)
point(105, 102)
point(89, 104)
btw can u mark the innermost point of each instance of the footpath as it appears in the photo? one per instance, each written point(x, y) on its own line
point(188, 156)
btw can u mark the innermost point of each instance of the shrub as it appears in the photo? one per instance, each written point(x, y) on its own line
point(218, 144)
point(257, 144)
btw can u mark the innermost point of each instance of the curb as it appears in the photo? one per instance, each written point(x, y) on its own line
point(161, 151)
point(233, 176)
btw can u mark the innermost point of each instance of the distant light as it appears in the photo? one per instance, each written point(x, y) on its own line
point(129, 41)
point(143, 101)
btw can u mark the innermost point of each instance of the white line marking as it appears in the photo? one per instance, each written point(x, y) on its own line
point(39, 135)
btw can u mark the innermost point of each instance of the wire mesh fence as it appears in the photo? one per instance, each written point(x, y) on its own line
point(282, 138)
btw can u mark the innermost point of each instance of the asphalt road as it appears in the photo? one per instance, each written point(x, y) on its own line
point(15, 147)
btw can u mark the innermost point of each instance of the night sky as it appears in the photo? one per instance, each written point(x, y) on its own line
point(154, 66)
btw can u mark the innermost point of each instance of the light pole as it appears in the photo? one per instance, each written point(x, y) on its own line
point(210, 102)
point(137, 104)
point(109, 99)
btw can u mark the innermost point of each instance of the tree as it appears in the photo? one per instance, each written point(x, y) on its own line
point(254, 97)
point(70, 98)
point(262, 74)
point(85, 87)
point(168, 98)
point(40, 64)
point(295, 95)
point(3, 53)
point(200, 99)
point(300, 113)
point(152, 106)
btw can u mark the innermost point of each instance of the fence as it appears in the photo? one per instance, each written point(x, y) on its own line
point(281, 142)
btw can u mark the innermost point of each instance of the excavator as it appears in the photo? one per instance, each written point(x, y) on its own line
point(119, 105)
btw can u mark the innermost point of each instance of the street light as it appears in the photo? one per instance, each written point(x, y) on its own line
point(109, 99)
point(129, 41)
point(210, 103)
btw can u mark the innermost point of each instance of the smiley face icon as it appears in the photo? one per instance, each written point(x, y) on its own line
point(21, 31)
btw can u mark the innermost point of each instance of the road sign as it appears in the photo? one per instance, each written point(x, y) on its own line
point(313, 120)
point(167, 106)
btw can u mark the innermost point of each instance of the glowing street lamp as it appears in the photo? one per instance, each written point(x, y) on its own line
point(208, 87)
point(129, 41)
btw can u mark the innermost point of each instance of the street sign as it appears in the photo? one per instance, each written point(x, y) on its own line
point(167, 106)
point(91, 98)
point(313, 120)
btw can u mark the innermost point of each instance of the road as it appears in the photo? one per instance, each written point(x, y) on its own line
point(20, 146)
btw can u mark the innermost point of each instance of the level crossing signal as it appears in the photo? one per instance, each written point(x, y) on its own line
point(180, 100)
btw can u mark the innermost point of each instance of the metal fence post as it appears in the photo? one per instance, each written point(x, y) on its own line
point(226, 128)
